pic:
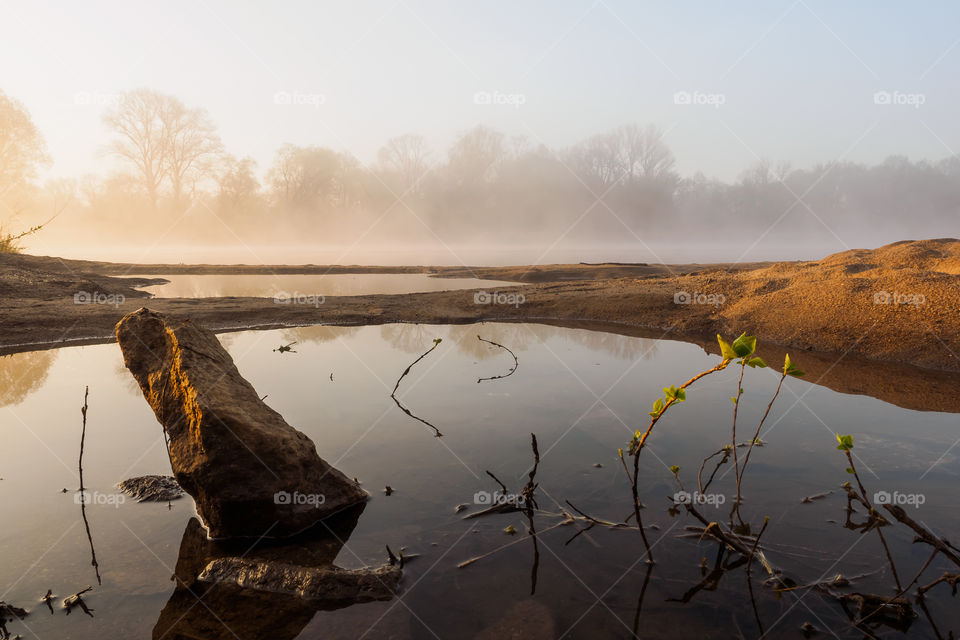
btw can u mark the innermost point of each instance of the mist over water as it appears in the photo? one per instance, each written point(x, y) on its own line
point(413, 134)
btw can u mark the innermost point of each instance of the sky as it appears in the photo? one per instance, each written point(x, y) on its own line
point(804, 81)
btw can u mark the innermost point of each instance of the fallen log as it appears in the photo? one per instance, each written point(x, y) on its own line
point(250, 473)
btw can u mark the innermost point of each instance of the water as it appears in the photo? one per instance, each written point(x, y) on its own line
point(293, 285)
point(582, 393)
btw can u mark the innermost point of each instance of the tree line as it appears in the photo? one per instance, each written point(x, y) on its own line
point(620, 184)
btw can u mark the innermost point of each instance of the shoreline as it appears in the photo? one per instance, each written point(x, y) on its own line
point(843, 307)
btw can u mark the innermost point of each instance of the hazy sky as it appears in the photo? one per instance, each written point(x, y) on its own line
point(791, 80)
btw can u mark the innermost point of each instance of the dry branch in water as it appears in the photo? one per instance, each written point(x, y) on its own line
point(393, 394)
point(516, 363)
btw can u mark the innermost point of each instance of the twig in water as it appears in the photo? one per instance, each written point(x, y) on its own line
point(393, 394)
point(516, 363)
point(76, 600)
point(83, 493)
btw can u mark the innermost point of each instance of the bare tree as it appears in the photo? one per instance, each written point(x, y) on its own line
point(626, 155)
point(22, 147)
point(22, 151)
point(138, 123)
point(596, 161)
point(307, 177)
point(407, 156)
point(643, 154)
point(162, 139)
point(192, 144)
point(239, 188)
point(476, 156)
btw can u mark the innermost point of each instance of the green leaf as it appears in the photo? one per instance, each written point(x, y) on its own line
point(756, 362)
point(674, 469)
point(745, 345)
point(733, 399)
point(790, 369)
point(437, 340)
point(657, 408)
point(510, 530)
point(726, 351)
point(845, 443)
point(850, 471)
point(673, 393)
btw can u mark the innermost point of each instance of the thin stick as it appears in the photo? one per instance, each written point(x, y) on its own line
point(733, 434)
point(643, 439)
point(467, 563)
point(502, 486)
point(873, 513)
point(756, 435)
point(704, 464)
point(83, 495)
point(436, 343)
point(516, 363)
point(393, 393)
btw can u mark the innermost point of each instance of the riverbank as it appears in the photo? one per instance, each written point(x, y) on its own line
point(896, 304)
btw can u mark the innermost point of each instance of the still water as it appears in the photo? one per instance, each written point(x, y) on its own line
point(293, 285)
point(582, 393)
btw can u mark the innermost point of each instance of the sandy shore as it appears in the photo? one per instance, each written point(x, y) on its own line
point(899, 304)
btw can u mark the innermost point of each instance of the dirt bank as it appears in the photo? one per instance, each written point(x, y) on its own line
point(899, 303)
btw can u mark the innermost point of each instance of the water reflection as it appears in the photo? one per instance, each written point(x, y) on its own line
point(23, 373)
point(317, 334)
point(261, 599)
point(414, 338)
point(270, 285)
